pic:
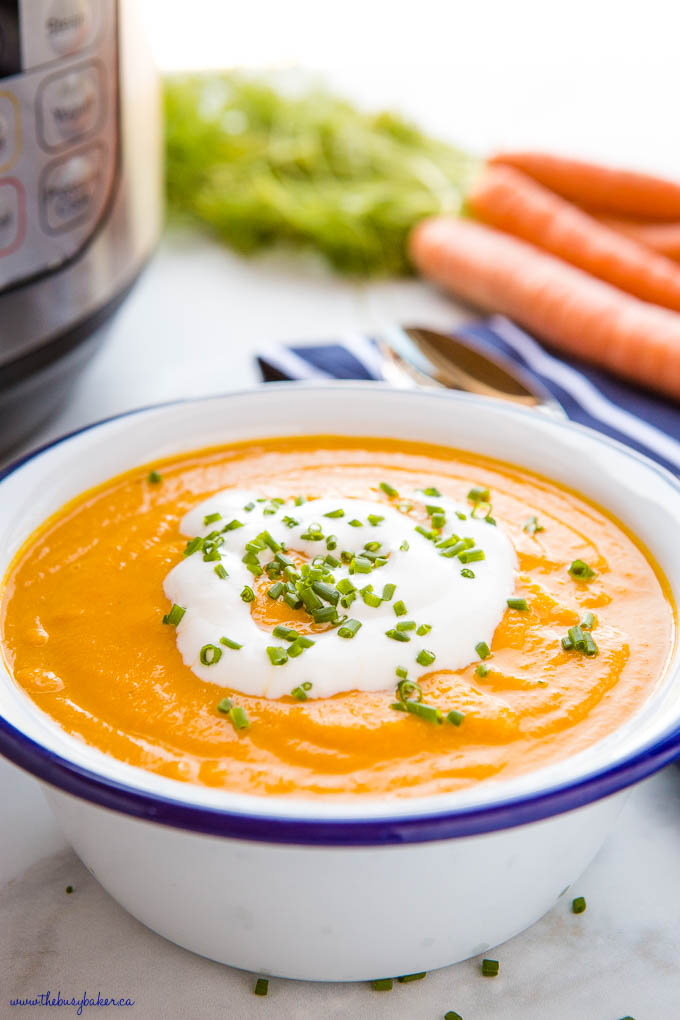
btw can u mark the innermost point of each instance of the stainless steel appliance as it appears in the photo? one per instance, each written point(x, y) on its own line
point(80, 189)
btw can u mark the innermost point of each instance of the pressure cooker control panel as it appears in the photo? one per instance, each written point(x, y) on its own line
point(58, 129)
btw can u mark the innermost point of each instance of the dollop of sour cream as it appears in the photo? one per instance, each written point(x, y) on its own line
point(431, 590)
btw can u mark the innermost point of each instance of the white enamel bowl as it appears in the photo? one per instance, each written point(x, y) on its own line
point(328, 891)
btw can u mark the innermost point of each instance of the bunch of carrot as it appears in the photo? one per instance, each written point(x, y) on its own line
point(585, 256)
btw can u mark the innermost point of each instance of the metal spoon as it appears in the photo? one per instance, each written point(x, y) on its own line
point(416, 356)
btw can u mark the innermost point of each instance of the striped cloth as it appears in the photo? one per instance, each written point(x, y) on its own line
point(645, 421)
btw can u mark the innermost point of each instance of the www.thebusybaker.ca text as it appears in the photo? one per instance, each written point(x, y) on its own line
point(48, 999)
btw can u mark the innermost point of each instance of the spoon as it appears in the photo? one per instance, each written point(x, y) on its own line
point(416, 356)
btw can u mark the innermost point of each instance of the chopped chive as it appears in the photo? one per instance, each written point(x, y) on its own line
point(412, 977)
point(175, 615)
point(299, 694)
point(221, 572)
point(447, 543)
point(285, 632)
point(518, 603)
point(375, 519)
point(588, 621)
point(425, 657)
point(455, 717)
point(577, 637)
point(479, 495)
point(327, 614)
point(388, 591)
point(460, 515)
point(331, 542)
point(193, 545)
point(431, 509)
point(261, 986)
point(275, 590)
point(335, 513)
point(383, 985)
point(331, 561)
point(406, 625)
point(389, 490)
point(406, 687)
point(452, 1015)
point(466, 572)
point(372, 546)
point(427, 712)
point(482, 669)
point(399, 608)
point(233, 525)
point(355, 523)
point(483, 650)
point(154, 478)
point(397, 635)
point(567, 644)
point(345, 586)
point(277, 656)
point(210, 655)
point(431, 491)
point(326, 592)
point(290, 522)
point(590, 647)
point(211, 518)
point(401, 672)
point(471, 555)
point(425, 532)
point(361, 565)
point(224, 705)
point(532, 527)
point(247, 594)
point(424, 629)
point(349, 628)
point(371, 599)
point(239, 718)
point(490, 968)
point(581, 571)
point(249, 506)
point(311, 599)
point(295, 649)
point(229, 643)
point(578, 905)
point(404, 547)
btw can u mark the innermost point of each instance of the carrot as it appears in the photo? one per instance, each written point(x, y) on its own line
point(600, 188)
point(511, 201)
point(661, 237)
point(573, 311)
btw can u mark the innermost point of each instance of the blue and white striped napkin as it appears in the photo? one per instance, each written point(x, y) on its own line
point(645, 421)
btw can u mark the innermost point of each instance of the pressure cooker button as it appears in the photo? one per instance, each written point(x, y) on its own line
point(10, 217)
point(67, 24)
point(69, 105)
point(70, 189)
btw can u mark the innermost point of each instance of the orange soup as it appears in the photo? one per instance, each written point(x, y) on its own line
point(320, 676)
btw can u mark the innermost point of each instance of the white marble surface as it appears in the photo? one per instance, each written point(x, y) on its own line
point(199, 306)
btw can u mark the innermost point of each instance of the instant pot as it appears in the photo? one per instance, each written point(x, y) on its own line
point(80, 190)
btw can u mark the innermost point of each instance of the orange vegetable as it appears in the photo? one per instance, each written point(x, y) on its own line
point(567, 307)
point(509, 200)
point(600, 188)
point(661, 237)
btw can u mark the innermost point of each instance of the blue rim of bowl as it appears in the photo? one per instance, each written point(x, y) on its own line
point(110, 794)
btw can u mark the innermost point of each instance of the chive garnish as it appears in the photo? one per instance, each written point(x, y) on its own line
point(466, 572)
point(335, 513)
point(460, 515)
point(383, 985)
point(193, 545)
point(285, 632)
point(577, 637)
point(229, 643)
point(388, 592)
point(371, 599)
point(425, 532)
point(589, 647)
point(249, 506)
point(427, 712)
point(518, 603)
point(389, 490)
point(412, 977)
point(431, 491)
point(588, 621)
point(399, 608)
point(210, 655)
point(424, 629)
point(404, 547)
point(455, 717)
point(349, 628)
point(345, 586)
point(174, 616)
point(406, 625)
point(275, 590)
point(425, 657)
point(224, 705)
point(567, 644)
point(299, 693)
point(578, 905)
point(397, 635)
point(375, 519)
point(360, 565)
point(452, 1015)
point(325, 592)
point(581, 571)
point(277, 656)
point(327, 614)
point(438, 520)
point(247, 594)
point(490, 968)
point(233, 525)
point(221, 572)
point(532, 527)
point(239, 718)
point(482, 669)
point(261, 986)
point(483, 650)
point(401, 672)
point(154, 478)
point(331, 542)
point(211, 518)
point(479, 495)
point(471, 555)
point(354, 523)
